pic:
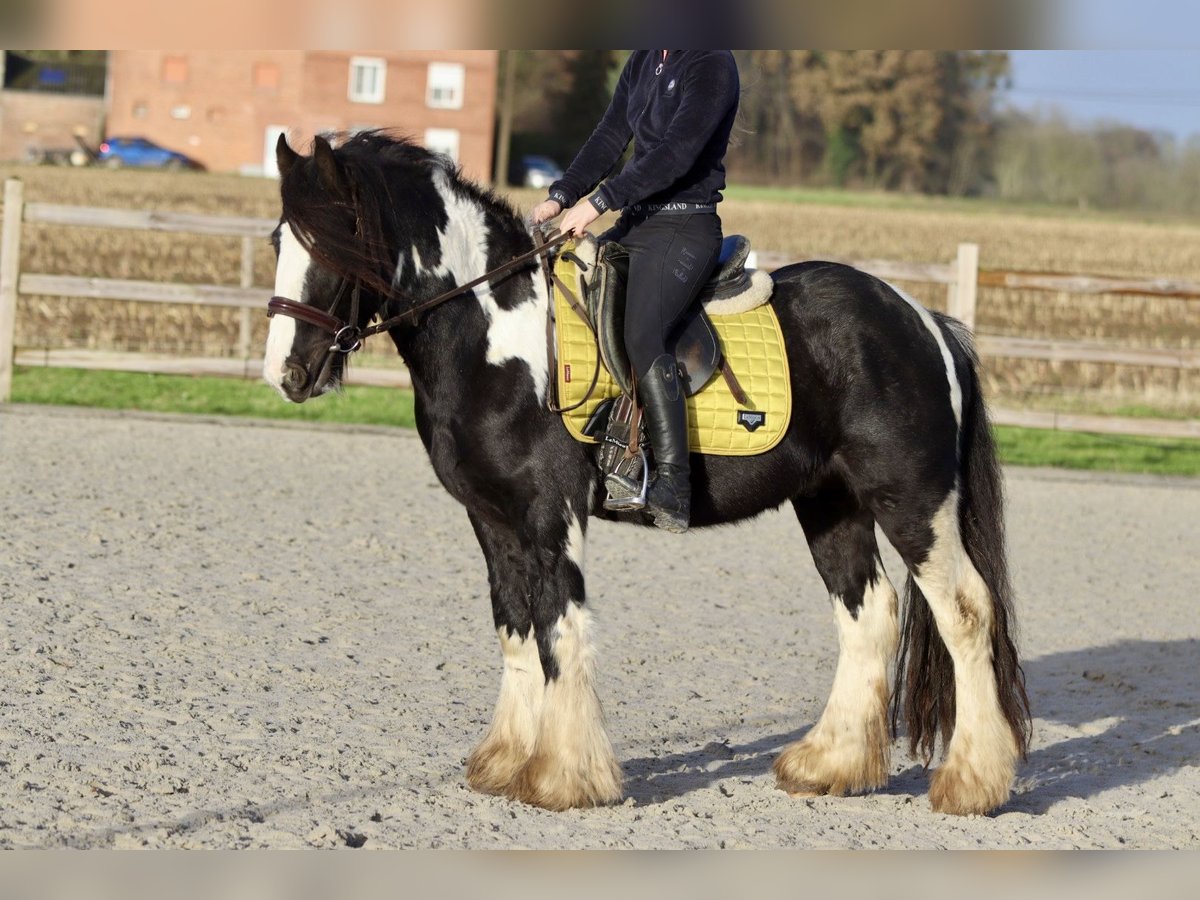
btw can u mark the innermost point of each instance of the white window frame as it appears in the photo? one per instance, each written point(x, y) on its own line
point(450, 78)
point(379, 64)
point(444, 140)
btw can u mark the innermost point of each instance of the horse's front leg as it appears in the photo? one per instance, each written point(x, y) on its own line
point(512, 575)
point(572, 763)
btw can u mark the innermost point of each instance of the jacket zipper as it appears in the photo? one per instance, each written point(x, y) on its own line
point(650, 95)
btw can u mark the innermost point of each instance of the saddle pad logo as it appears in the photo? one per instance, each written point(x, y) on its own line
point(567, 373)
point(751, 420)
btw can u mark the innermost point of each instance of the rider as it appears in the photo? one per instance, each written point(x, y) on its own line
point(678, 106)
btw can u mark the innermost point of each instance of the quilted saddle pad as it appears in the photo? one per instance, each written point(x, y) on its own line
point(717, 424)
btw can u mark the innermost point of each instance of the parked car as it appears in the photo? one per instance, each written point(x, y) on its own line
point(138, 151)
point(536, 172)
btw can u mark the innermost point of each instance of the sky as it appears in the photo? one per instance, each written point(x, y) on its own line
point(1158, 90)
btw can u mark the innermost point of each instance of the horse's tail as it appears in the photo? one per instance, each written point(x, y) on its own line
point(924, 670)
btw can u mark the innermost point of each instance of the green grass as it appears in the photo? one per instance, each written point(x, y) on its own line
point(1098, 452)
point(390, 406)
point(208, 396)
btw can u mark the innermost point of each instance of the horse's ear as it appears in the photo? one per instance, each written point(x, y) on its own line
point(285, 156)
point(328, 169)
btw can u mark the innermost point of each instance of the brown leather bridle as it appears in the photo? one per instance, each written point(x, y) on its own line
point(348, 337)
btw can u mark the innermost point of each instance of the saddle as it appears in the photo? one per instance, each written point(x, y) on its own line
point(695, 343)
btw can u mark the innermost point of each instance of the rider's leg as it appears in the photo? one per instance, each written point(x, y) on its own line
point(670, 258)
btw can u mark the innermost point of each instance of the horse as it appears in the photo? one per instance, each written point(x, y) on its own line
point(889, 428)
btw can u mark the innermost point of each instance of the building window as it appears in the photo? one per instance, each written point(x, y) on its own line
point(175, 70)
point(367, 77)
point(442, 140)
point(140, 110)
point(444, 88)
point(266, 76)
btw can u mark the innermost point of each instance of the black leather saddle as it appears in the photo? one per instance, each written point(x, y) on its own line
point(695, 343)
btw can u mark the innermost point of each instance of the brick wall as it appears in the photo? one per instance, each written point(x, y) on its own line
point(218, 106)
point(37, 121)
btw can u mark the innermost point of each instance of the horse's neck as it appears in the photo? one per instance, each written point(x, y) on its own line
point(488, 325)
point(477, 236)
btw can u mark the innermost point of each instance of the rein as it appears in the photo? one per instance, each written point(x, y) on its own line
point(348, 337)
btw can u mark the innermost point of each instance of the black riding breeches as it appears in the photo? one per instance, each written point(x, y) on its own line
point(671, 256)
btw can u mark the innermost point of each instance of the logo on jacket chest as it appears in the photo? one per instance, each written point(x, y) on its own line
point(671, 85)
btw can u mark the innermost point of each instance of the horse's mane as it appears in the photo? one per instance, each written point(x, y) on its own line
point(354, 231)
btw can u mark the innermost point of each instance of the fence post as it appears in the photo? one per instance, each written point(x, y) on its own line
point(963, 291)
point(10, 270)
point(246, 325)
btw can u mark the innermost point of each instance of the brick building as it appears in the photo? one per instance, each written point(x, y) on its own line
point(228, 108)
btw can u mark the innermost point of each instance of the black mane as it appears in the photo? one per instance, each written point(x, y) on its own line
point(382, 198)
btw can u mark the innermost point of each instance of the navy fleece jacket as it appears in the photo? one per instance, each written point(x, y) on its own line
point(679, 115)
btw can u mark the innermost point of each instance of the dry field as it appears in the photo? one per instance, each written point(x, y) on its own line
point(928, 232)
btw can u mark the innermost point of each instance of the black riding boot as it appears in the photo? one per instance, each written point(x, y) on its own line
point(662, 396)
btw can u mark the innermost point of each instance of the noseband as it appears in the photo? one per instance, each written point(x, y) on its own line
point(348, 337)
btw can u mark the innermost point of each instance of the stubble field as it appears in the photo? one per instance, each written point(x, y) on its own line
point(920, 230)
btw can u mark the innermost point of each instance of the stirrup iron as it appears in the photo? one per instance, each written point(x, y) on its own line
point(628, 502)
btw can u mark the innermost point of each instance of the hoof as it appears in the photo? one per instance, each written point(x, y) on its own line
point(493, 765)
point(547, 783)
point(959, 790)
point(811, 768)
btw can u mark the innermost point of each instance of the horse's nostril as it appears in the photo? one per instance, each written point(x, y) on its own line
point(294, 376)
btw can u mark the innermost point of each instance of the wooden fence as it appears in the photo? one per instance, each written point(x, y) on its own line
point(961, 277)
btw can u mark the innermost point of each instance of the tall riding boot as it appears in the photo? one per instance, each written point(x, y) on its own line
point(662, 396)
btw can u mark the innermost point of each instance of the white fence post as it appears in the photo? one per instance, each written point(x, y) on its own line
point(10, 270)
point(963, 291)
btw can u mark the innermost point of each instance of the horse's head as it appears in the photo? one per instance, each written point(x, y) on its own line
point(328, 272)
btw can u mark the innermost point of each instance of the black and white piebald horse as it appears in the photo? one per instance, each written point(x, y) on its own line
point(889, 428)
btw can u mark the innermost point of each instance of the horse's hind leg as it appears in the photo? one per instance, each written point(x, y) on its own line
point(980, 764)
point(509, 742)
point(848, 749)
point(572, 763)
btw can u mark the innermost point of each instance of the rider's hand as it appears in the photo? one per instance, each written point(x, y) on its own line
point(545, 211)
point(578, 217)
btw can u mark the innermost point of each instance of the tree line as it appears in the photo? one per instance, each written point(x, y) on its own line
point(905, 120)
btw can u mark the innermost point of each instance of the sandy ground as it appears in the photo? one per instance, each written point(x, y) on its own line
point(220, 634)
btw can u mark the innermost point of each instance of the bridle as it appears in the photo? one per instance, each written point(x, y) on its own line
point(348, 336)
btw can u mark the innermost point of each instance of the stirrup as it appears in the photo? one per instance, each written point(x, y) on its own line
point(628, 502)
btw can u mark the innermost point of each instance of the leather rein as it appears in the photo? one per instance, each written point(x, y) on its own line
point(348, 337)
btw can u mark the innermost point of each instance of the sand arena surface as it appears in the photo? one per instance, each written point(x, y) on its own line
point(228, 634)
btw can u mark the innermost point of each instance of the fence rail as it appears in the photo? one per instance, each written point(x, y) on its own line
point(961, 277)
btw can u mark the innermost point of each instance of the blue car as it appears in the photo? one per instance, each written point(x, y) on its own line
point(136, 151)
point(535, 172)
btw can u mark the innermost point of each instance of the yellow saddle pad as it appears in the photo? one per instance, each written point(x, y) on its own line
point(717, 423)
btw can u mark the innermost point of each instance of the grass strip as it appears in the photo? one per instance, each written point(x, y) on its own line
point(208, 396)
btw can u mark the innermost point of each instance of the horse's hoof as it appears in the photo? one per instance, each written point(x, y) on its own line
point(811, 769)
point(544, 782)
point(492, 766)
point(804, 795)
point(959, 790)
